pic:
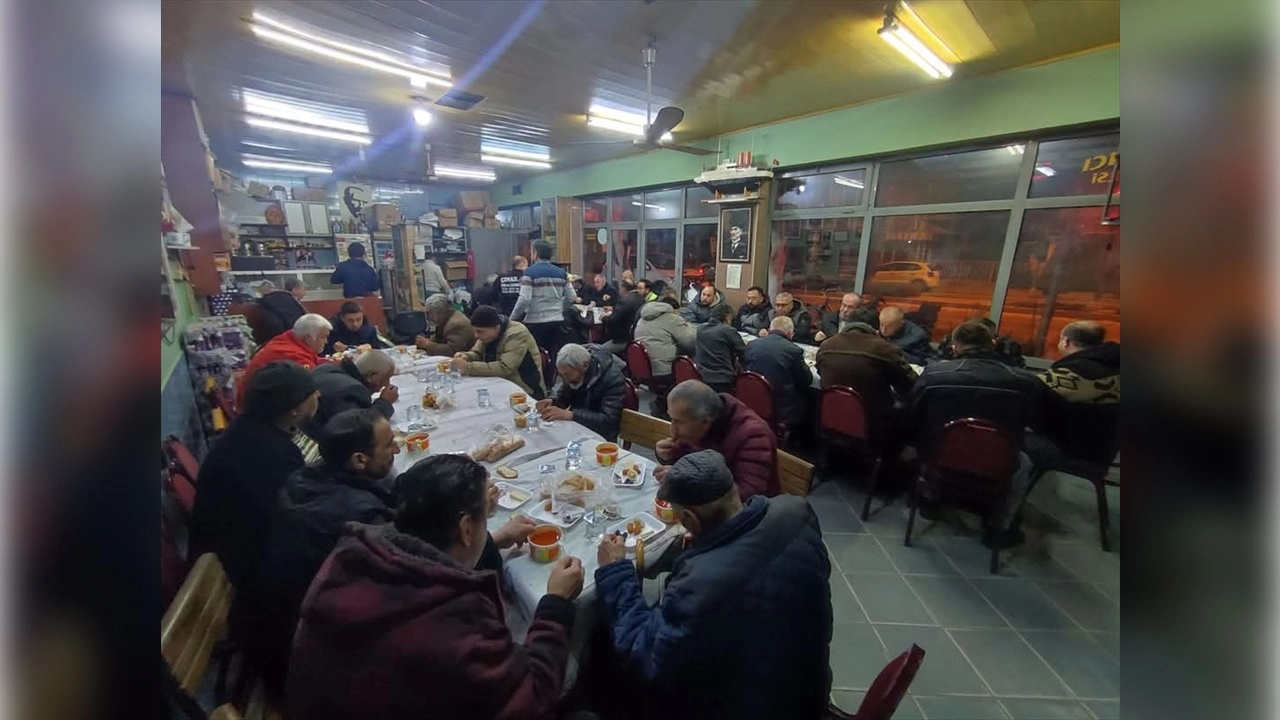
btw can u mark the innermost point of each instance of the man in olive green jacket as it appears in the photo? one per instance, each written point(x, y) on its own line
point(504, 348)
point(453, 333)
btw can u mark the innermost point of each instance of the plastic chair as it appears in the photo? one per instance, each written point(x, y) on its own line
point(684, 368)
point(754, 390)
point(843, 417)
point(886, 693)
point(968, 463)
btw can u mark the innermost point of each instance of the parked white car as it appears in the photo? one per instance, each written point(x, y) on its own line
point(916, 275)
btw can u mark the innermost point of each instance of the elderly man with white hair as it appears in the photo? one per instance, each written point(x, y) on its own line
point(348, 385)
point(590, 390)
point(910, 338)
point(301, 345)
point(453, 332)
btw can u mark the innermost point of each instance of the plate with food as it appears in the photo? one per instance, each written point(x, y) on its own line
point(511, 497)
point(640, 526)
point(565, 515)
point(631, 472)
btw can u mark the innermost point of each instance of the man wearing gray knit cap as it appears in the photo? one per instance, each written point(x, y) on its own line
point(744, 624)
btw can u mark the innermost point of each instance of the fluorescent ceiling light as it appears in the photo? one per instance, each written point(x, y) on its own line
point(470, 173)
point(637, 203)
point(1046, 171)
point(905, 42)
point(422, 116)
point(282, 108)
point(270, 29)
point(611, 124)
point(542, 154)
point(266, 163)
point(1016, 149)
point(265, 146)
point(622, 116)
point(304, 130)
point(499, 160)
point(842, 180)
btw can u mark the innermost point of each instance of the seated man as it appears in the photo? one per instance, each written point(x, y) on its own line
point(619, 324)
point(601, 293)
point(645, 287)
point(743, 629)
point(399, 623)
point(851, 310)
point(782, 364)
point(351, 329)
point(281, 308)
point(504, 348)
point(698, 311)
point(702, 419)
point(1087, 378)
point(665, 334)
point(453, 332)
point(348, 385)
point(589, 392)
point(301, 346)
point(908, 336)
point(753, 316)
point(785, 305)
point(719, 349)
point(1006, 348)
point(877, 370)
point(246, 467)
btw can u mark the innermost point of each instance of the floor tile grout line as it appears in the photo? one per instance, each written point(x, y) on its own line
point(910, 589)
point(1057, 607)
point(1035, 652)
point(973, 666)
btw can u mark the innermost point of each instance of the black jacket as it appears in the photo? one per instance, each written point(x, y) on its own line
point(357, 278)
point(1007, 350)
point(913, 341)
point(280, 310)
point(366, 334)
point(597, 404)
point(591, 295)
point(830, 323)
point(236, 494)
point(979, 386)
point(620, 324)
point(1086, 425)
point(782, 362)
point(799, 315)
point(509, 290)
point(341, 388)
point(743, 629)
point(490, 295)
point(752, 320)
point(719, 349)
point(697, 313)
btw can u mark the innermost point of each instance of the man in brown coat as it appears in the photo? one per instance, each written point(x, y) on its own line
point(453, 333)
point(858, 357)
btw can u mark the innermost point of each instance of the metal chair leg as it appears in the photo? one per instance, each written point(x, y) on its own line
point(871, 491)
point(1104, 515)
point(911, 516)
point(995, 561)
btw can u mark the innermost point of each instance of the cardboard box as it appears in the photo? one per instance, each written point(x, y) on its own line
point(476, 215)
point(447, 222)
point(473, 199)
point(306, 194)
point(258, 190)
point(455, 270)
point(475, 222)
point(381, 216)
point(490, 211)
point(492, 223)
point(447, 212)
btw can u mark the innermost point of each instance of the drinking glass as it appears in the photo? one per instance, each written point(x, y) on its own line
point(482, 398)
point(413, 417)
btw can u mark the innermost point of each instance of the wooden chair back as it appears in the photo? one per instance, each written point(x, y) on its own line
point(643, 430)
point(794, 475)
point(195, 621)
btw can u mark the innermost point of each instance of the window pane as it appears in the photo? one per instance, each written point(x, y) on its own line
point(961, 177)
point(1079, 166)
point(624, 253)
point(693, 205)
point(626, 208)
point(700, 253)
point(812, 257)
point(660, 254)
point(594, 254)
point(835, 189)
point(662, 204)
point(595, 210)
point(948, 259)
point(1066, 268)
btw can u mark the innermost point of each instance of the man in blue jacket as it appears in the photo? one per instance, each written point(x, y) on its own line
point(743, 628)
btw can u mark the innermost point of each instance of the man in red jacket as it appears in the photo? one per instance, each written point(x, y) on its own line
point(398, 623)
point(702, 419)
point(300, 345)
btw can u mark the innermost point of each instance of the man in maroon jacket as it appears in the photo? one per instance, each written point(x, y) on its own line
point(702, 419)
point(398, 624)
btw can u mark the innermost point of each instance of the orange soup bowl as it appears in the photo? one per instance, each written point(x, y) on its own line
point(607, 454)
point(518, 398)
point(544, 543)
point(664, 511)
point(417, 442)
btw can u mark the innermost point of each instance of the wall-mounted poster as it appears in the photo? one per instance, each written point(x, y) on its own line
point(735, 235)
point(353, 198)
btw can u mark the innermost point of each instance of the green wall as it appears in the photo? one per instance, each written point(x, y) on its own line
point(1073, 91)
point(183, 311)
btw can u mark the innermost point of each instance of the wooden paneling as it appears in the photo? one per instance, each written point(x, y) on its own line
point(186, 169)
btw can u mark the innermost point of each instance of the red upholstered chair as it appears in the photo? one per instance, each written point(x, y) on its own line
point(184, 491)
point(754, 390)
point(842, 418)
point(180, 458)
point(886, 693)
point(684, 368)
point(638, 364)
point(968, 463)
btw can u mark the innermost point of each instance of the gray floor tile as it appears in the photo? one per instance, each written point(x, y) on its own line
point(1046, 709)
point(888, 521)
point(923, 557)
point(1033, 564)
point(844, 608)
point(1110, 641)
point(1007, 664)
point(944, 670)
point(856, 656)
point(961, 708)
point(1022, 604)
point(1087, 669)
point(857, 553)
point(1085, 604)
point(835, 515)
point(848, 701)
point(888, 599)
point(955, 603)
point(968, 554)
point(826, 490)
point(1087, 561)
point(1111, 591)
point(1105, 709)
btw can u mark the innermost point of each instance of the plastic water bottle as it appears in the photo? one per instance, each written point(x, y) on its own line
point(573, 456)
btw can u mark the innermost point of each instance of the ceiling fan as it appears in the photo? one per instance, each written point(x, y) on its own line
point(658, 125)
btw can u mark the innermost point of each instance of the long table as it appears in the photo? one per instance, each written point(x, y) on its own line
point(811, 356)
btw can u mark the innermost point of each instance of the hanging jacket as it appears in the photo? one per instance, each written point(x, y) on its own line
point(665, 335)
point(513, 356)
